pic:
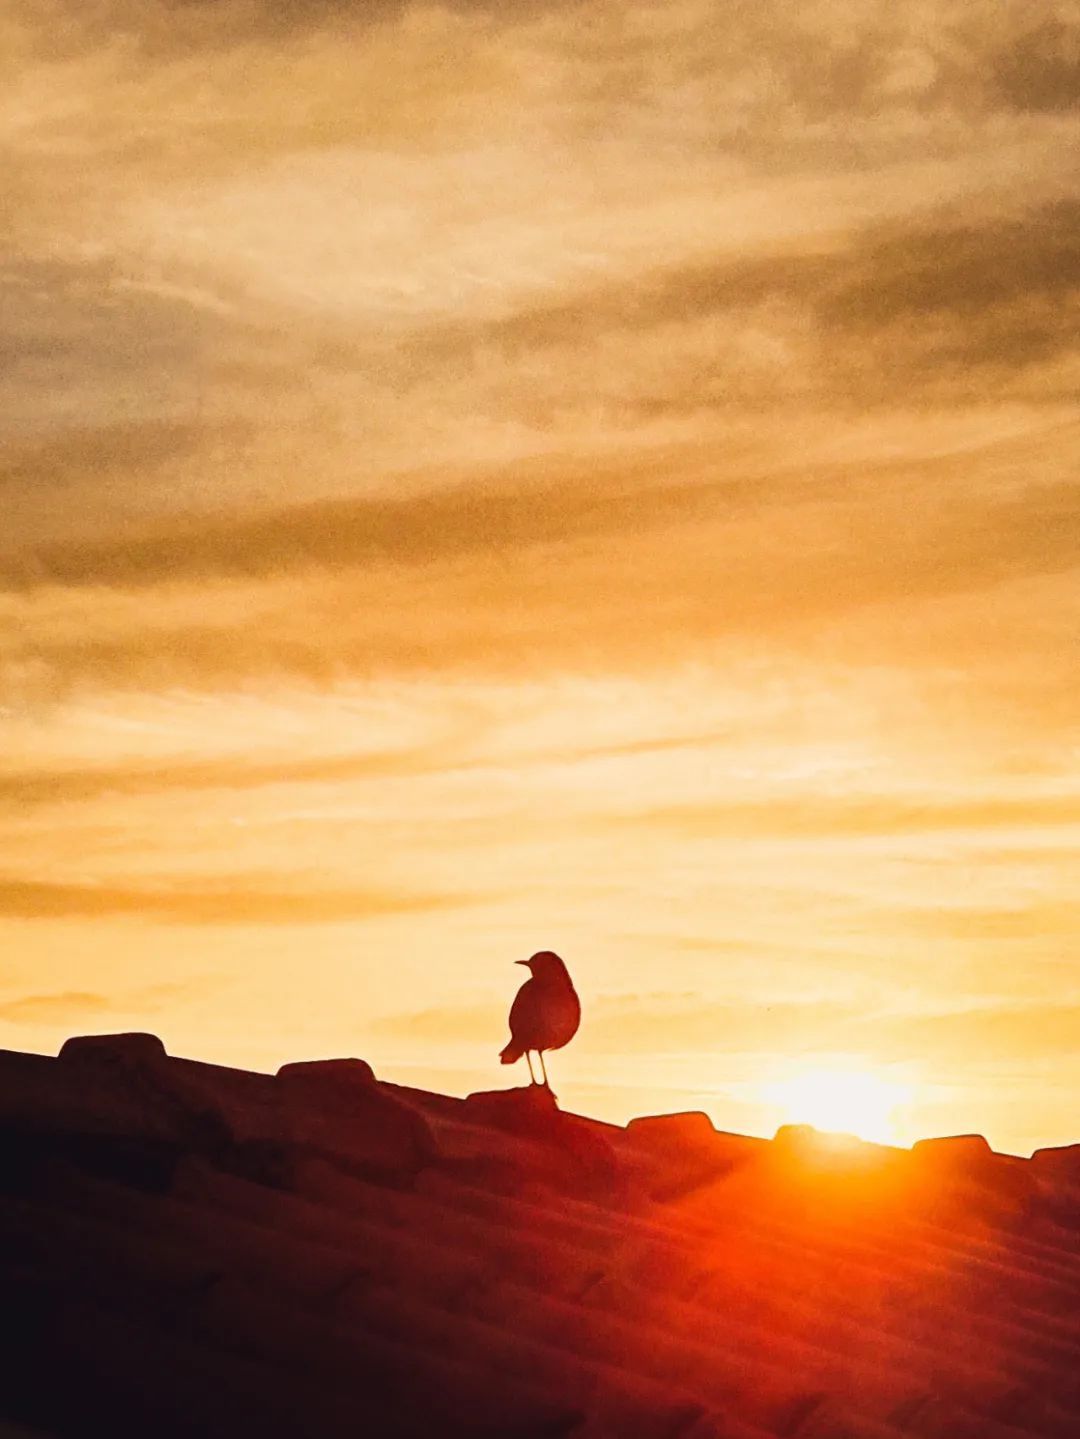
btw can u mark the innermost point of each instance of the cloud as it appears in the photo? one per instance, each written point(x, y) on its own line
point(958, 269)
point(77, 1006)
point(241, 277)
point(1039, 71)
point(899, 51)
point(531, 361)
point(654, 1025)
point(445, 1024)
point(159, 29)
point(951, 303)
point(575, 574)
point(25, 788)
point(212, 905)
point(938, 301)
point(414, 531)
point(74, 344)
point(982, 1038)
point(65, 786)
point(885, 816)
point(101, 454)
point(1025, 528)
point(71, 1006)
point(1031, 924)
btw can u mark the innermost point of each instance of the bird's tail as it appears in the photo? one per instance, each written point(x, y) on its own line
point(512, 1053)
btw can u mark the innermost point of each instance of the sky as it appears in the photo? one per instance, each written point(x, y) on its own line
point(483, 477)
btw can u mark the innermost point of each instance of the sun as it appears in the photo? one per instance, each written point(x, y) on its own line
point(841, 1101)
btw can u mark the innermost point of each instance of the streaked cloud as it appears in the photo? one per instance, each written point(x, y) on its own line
point(944, 1041)
point(609, 472)
point(82, 1007)
point(222, 903)
point(72, 1007)
point(822, 819)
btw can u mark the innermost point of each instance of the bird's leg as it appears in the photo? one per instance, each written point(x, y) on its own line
point(543, 1068)
point(528, 1061)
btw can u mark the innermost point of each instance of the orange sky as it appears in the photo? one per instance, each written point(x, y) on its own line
point(478, 478)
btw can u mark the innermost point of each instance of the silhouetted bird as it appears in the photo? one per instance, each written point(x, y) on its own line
point(545, 1013)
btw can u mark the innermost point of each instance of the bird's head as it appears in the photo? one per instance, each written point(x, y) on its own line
point(545, 964)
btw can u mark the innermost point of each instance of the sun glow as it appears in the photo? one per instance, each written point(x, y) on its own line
point(842, 1101)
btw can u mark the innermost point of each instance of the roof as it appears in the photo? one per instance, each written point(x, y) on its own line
point(195, 1250)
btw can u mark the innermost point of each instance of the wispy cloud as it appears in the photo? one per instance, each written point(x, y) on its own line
point(84, 1006)
point(72, 1006)
point(671, 408)
point(551, 577)
point(219, 904)
point(659, 1024)
point(60, 786)
point(819, 818)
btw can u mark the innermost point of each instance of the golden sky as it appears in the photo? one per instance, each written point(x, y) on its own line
point(481, 477)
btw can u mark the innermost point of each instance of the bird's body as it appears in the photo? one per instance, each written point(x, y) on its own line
point(545, 1013)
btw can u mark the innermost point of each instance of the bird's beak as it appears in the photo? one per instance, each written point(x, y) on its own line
point(525, 962)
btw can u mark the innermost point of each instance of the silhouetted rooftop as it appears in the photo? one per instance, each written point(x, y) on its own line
point(194, 1250)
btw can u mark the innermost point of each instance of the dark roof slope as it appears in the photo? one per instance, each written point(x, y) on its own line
point(192, 1250)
